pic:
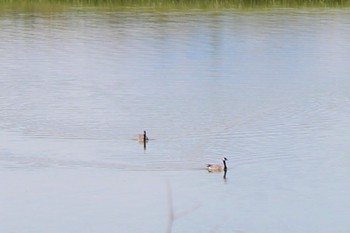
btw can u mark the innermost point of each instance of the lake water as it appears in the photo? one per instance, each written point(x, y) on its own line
point(268, 89)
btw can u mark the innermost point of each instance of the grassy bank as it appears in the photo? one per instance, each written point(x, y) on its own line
point(57, 5)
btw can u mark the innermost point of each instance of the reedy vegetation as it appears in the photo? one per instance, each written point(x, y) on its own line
point(58, 5)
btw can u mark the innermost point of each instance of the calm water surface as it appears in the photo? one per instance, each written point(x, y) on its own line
point(268, 89)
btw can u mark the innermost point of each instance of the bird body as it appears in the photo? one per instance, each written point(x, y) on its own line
point(143, 137)
point(217, 167)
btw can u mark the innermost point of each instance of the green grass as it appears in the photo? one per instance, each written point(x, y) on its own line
point(59, 5)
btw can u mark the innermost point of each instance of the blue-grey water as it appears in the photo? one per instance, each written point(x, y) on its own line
point(268, 89)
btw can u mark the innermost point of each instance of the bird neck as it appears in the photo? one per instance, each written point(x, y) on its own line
point(225, 167)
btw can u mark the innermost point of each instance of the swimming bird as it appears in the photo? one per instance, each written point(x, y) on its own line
point(217, 167)
point(143, 137)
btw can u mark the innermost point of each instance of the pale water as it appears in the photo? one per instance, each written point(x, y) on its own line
point(268, 89)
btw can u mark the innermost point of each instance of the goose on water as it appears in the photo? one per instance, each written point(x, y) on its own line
point(143, 137)
point(218, 167)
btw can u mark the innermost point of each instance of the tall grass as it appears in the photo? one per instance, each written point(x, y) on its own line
point(57, 5)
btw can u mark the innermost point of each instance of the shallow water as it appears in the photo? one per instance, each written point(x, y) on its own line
point(268, 89)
